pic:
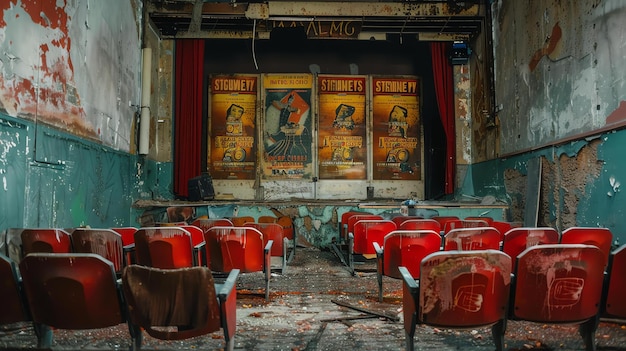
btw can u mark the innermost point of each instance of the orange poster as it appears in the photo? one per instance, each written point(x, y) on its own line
point(287, 131)
point(232, 147)
point(396, 128)
point(342, 129)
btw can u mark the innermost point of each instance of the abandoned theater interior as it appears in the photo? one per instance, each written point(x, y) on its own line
point(246, 131)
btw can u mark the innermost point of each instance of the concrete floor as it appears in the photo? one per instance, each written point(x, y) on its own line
point(305, 312)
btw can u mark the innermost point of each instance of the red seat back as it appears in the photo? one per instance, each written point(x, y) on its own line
point(241, 221)
point(407, 248)
point(343, 224)
point(45, 240)
point(287, 223)
point(183, 298)
point(267, 219)
point(71, 291)
point(10, 293)
point(164, 247)
point(463, 288)
point(197, 234)
point(504, 227)
point(243, 249)
point(213, 246)
point(558, 283)
point(489, 220)
point(600, 237)
point(127, 233)
point(369, 231)
point(357, 217)
point(462, 223)
point(615, 303)
point(104, 242)
point(472, 239)
point(207, 223)
point(271, 231)
point(424, 224)
point(398, 220)
point(519, 239)
point(443, 219)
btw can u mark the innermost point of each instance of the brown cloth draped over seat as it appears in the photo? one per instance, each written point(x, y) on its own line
point(186, 298)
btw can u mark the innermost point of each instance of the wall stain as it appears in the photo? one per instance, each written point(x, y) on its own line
point(548, 48)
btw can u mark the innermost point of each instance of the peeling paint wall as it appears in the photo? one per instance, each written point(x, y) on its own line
point(581, 184)
point(69, 90)
point(73, 65)
point(559, 69)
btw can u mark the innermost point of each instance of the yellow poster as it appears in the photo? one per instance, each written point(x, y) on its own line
point(342, 130)
point(288, 127)
point(396, 128)
point(232, 147)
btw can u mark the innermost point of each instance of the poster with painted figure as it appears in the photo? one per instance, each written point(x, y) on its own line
point(232, 147)
point(342, 128)
point(396, 128)
point(287, 132)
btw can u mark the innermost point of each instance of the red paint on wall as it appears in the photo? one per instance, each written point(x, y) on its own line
point(46, 14)
point(548, 48)
point(3, 7)
point(619, 115)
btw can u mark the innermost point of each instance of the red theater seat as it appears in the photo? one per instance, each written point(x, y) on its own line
point(104, 242)
point(600, 237)
point(458, 289)
point(13, 307)
point(560, 284)
point(164, 247)
point(45, 240)
point(481, 238)
point(274, 232)
point(404, 248)
point(71, 291)
point(185, 298)
point(517, 240)
point(241, 248)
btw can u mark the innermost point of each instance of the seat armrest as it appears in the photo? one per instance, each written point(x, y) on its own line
point(227, 297)
point(408, 279)
point(226, 288)
point(378, 249)
point(268, 246)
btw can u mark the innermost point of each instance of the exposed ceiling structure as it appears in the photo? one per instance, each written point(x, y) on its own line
point(427, 20)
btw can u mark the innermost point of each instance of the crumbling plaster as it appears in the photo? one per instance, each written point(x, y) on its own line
point(558, 69)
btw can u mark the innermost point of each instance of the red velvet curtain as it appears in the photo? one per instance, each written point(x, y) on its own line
point(188, 113)
point(444, 90)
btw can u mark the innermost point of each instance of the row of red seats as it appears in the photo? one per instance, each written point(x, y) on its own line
point(550, 284)
point(174, 245)
point(82, 291)
point(408, 247)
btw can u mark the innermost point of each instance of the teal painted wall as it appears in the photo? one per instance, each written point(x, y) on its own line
point(581, 183)
point(53, 179)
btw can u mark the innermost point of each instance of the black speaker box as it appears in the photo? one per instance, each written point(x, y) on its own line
point(201, 188)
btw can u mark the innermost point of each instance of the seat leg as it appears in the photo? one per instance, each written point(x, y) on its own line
point(410, 343)
point(497, 332)
point(44, 335)
point(379, 276)
point(136, 336)
point(351, 254)
point(588, 330)
point(230, 344)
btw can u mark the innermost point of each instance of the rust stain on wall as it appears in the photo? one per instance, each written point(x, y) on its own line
point(618, 115)
point(563, 184)
point(549, 47)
